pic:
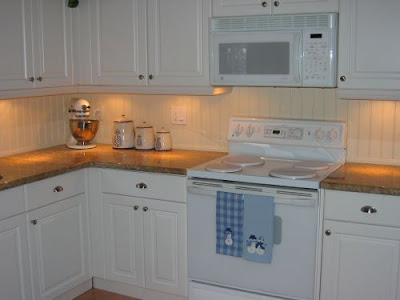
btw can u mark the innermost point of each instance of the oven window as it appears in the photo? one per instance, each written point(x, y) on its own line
point(268, 58)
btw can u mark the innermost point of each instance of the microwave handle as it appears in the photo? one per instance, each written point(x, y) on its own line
point(299, 58)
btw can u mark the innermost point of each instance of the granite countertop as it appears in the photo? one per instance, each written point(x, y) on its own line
point(36, 165)
point(365, 178)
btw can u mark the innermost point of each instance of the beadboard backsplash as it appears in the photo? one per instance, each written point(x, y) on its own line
point(373, 126)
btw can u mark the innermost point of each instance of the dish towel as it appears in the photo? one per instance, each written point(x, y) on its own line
point(258, 228)
point(229, 217)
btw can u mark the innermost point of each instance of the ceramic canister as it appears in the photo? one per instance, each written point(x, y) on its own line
point(144, 137)
point(163, 140)
point(123, 133)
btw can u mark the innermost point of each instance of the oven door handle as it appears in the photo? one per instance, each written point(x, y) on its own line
point(298, 201)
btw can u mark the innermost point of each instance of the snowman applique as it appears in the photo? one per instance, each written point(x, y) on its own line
point(228, 237)
point(260, 246)
point(251, 244)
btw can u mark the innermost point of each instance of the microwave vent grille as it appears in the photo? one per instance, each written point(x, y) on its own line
point(278, 22)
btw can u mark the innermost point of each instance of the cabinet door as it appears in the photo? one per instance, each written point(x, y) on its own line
point(16, 62)
point(165, 244)
point(59, 243)
point(14, 271)
point(360, 262)
point(53, 43)
point(123, 228)
point(241, 7)
point(369, 45)
point(178, 42)
point(304, 6)
point(119, 53)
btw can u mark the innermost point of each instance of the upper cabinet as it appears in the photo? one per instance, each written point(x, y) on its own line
point(36, 49)
point(261, 7)
point(150, 44)
point(369, 60)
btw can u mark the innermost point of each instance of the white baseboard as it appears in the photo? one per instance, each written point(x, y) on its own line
point(133, 291)
point(76, 291)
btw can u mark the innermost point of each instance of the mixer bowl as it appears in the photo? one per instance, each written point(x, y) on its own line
point(83, 131)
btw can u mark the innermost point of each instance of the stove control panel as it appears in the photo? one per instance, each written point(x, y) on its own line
point(288, 132)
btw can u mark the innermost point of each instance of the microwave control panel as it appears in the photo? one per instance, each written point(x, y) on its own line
point(318, 58)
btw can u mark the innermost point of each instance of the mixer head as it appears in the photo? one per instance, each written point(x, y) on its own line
point(80, 109)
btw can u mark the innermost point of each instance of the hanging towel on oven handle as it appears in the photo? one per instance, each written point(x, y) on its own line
point(258, 228)
point(229, 219)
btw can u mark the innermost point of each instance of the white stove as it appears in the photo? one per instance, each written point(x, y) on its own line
point(290, 153)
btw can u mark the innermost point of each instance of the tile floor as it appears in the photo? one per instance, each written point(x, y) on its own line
point(96, 294)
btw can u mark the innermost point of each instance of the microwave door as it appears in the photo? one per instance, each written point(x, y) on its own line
point(256, 59)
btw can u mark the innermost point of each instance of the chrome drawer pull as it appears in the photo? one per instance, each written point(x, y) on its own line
point(369, 209)
point(141, 185)
point(136, 207)
point(58, 189)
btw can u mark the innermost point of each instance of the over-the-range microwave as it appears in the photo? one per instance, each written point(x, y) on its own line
point(276, 50)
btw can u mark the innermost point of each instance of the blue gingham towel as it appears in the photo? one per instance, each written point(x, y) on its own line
point(229, 217)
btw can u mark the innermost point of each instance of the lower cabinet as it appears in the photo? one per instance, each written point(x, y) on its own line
point(14, 264)
point(139, 231)
point(145, 242)
point(361, 247)
point(58, 240)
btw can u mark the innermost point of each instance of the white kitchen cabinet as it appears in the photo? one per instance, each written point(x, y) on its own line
point(36, 49)
point(261, 7)
point(14, 265)
point(58, 240)
point(361, 250)
point(139, 219)
point(369, 64)
point(150, 43)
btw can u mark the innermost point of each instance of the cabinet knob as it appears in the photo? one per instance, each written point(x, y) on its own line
point(34, 222)
point(151, 77)
point(369, 209)
point(145, 208)
point(276, 3)
point(141, 185)
point(342, 78)
point(40, 78)
point(31, 79)
point(136, 207)
point(141, 77)
point(264, 4)
point(58, 189)
point(328, 232)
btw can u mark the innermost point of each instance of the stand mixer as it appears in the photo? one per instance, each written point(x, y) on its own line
point(83, 130)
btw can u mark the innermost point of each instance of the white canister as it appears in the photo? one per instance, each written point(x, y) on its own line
point(144, 137)
point(163, 140)
point(123, 133)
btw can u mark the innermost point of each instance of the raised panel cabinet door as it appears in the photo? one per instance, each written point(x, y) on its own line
point(14, 265)
point(123, 229)
point(360, 262)
point(369, 45)
point(304, 6)
point(16, 61)
point(119, 42)
point(178, 42)
point(240, 7)
point(58, 238)
point(53, 43)
point(165, 243)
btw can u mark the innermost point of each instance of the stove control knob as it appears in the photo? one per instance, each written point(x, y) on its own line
point(238, 130)
point(319, 134)
point(333, 134)
point(250, 131)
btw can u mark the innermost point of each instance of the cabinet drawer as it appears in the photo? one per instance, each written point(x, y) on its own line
point(54, 189)
point(362, 208)
point(148, 185)
point(11, 202)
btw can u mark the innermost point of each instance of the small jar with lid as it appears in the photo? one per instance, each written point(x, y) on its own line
point(123, 133)
point(163, 140)
point(144, 137)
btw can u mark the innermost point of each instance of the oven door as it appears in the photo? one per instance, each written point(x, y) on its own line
point(269, 58)
point(290, 275)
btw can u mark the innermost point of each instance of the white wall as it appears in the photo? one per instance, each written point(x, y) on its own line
point(374, 126)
